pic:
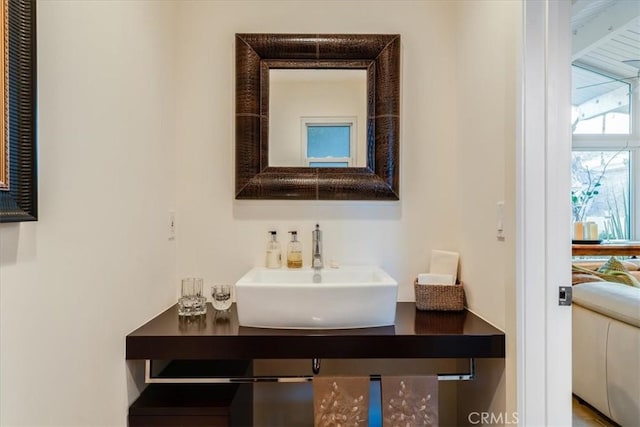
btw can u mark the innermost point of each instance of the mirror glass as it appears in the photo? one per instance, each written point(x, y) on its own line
point(317, 117)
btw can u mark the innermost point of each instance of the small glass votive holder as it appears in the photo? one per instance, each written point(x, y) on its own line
point(191, 302)
point(221, 297)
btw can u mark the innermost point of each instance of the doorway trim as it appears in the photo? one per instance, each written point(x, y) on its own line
point(543, 239)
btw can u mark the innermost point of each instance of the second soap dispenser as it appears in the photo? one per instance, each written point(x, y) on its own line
point(294, 251)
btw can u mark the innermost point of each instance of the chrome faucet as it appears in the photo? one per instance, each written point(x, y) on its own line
point(316, 257)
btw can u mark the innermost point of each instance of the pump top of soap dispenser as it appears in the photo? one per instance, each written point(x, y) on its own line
point(273, 243)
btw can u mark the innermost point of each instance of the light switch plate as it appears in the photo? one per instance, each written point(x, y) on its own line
point(500, 222)
point(172, 225)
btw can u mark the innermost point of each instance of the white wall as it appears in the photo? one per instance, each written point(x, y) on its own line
point(97, 264)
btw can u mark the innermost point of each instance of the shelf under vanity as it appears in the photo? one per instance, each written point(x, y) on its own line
point(200, 370)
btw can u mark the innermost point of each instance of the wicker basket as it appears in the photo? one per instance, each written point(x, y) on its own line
point(439, 297)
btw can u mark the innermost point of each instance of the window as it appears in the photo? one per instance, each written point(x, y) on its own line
point(605, 173)
point(605, 167)
point(328, 141)
point(601, 105)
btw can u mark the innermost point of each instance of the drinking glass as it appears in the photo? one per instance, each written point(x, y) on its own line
point(221, 297)
point(191, 302)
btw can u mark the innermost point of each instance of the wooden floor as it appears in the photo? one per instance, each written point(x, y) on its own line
point(586, 416)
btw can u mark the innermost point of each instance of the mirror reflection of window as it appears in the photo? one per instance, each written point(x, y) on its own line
point(328, 143)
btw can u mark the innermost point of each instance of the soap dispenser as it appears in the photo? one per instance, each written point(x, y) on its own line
point(294, 251)
point(274, 255)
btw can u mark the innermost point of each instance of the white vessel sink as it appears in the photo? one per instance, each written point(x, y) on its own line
point(346, 297)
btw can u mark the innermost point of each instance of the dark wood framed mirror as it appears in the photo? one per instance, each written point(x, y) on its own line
point(18, 172)
point(378, 54)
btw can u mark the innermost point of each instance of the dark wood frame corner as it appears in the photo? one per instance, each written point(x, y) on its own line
point(20, 201)
point(379, 54)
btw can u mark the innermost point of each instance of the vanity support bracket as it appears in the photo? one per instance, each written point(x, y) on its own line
point(149, 378)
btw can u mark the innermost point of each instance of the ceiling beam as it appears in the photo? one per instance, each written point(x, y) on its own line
point(604, 26)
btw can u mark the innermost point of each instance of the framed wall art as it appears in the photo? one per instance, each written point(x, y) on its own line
point(18, 162)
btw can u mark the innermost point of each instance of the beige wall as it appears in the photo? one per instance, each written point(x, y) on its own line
point(487, 76)
point(97, 264)
point(136, 118)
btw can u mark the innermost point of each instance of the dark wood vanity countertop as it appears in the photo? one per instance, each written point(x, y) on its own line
point(416, 334)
